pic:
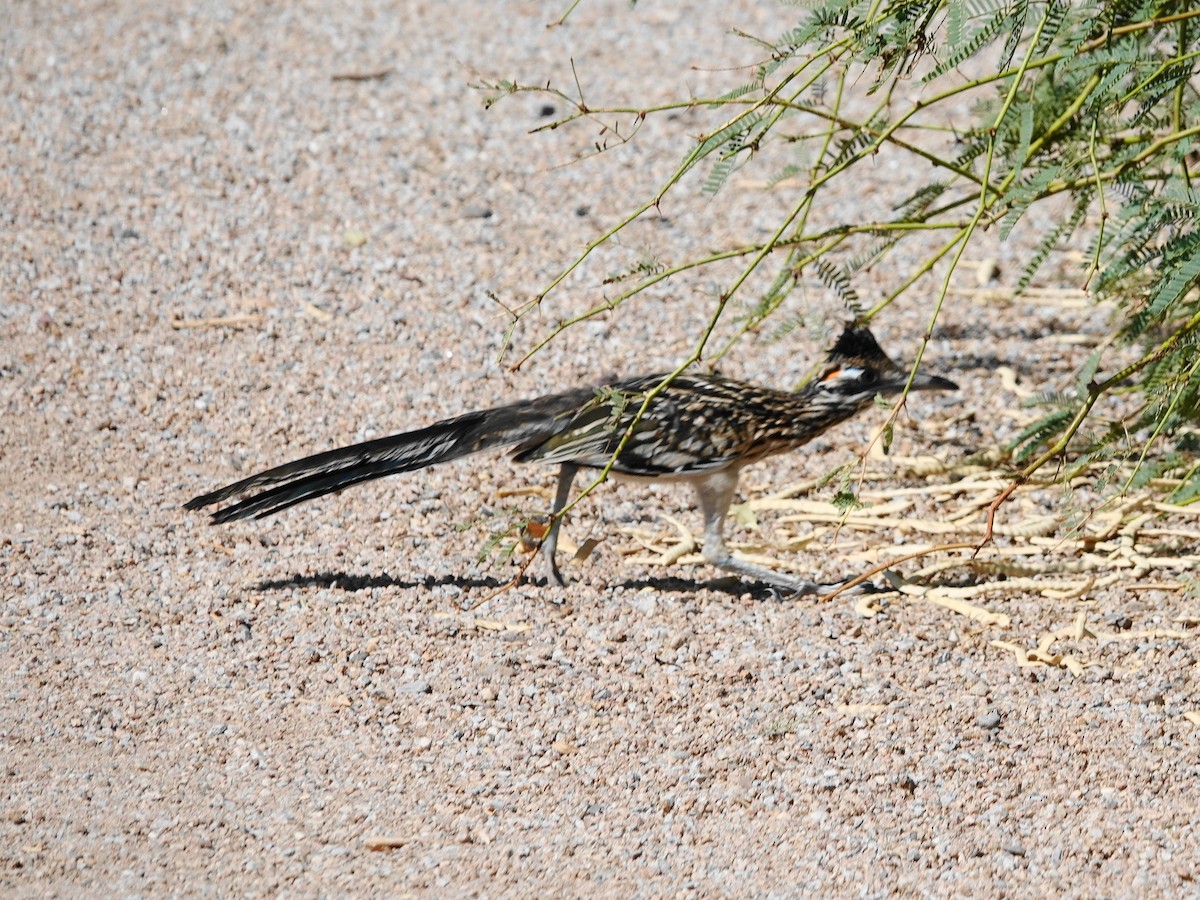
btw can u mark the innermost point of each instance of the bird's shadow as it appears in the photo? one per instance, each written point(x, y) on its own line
point(344, 581)
point(350, 583)
point(732, 587)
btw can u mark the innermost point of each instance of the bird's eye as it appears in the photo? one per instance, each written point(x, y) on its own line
point(867, 376)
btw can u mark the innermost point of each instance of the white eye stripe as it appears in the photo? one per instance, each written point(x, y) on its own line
point(847, 375)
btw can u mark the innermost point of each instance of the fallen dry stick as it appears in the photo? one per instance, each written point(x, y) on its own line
point(240, 320)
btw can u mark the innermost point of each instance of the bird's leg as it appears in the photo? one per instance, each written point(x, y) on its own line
point(566, 475)
point(715, 492)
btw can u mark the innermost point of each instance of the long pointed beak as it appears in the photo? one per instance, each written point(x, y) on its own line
point(932, 383)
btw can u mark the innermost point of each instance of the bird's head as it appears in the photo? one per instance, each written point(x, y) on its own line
point(857, 370)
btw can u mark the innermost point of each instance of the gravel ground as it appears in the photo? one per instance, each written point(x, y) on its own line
point(303, 704)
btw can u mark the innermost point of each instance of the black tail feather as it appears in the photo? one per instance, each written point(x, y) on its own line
point(404, 452)
point(281, 497)
point(333, 470)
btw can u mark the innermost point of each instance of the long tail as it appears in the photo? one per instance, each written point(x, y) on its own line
point(526, 423)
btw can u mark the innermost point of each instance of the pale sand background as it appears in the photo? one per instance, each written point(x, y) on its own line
point(241, 711)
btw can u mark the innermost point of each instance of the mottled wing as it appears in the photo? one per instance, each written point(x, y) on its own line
point(699, 423)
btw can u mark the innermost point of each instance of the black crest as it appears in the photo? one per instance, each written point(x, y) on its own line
point(856, 342)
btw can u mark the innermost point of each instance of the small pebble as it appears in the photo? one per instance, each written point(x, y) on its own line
point(989, 720)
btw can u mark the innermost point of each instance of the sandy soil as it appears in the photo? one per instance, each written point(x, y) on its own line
point(303, 704)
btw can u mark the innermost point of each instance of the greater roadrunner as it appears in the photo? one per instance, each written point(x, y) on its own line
point(699, 428)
